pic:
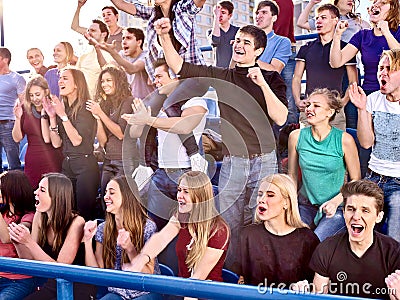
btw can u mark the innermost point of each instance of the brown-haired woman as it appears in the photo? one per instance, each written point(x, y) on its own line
point(56, 233)
point(74, 127)
point(121, 237)
point(16, 206)
point(41, 157)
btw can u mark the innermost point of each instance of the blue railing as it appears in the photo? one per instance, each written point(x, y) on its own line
point(67, 274)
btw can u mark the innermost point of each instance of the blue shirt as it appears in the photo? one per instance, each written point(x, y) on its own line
point(278, 47)
point(11, 85)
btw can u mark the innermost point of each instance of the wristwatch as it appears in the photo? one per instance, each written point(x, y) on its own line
point(64, 118)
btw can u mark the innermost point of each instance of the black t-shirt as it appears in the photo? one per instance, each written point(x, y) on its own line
point(245, 123)
point(85, 124)
point(271, 259)
point(320, 74)
point(357, 276)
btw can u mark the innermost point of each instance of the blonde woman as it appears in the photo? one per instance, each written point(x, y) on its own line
point(63, 54)
point(203, 236)
point(278, 247)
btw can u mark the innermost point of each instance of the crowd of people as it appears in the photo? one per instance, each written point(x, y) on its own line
point(143, 108)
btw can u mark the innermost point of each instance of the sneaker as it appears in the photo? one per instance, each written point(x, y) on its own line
point(198, 163)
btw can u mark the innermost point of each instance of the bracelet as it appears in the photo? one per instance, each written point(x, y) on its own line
point(147, 256)
point(54, 129)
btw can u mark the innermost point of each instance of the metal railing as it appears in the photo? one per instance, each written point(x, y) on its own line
point(67, 274)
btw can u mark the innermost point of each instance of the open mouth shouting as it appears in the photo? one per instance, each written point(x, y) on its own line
point(356, 229)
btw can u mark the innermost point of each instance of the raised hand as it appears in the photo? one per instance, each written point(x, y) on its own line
point(162, 26)
point(256, 76)
point(94, 108)
point(58, 106)
point(341, 27)
point(124, 240)
point(18, 110)
point(357, 96)
point(89, 230)
point(48, 107)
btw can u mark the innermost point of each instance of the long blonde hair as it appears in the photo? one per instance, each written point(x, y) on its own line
point(204, 221)
point(287, 188)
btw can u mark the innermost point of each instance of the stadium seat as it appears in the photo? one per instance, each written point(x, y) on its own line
point(165, 270)
point(229, 276)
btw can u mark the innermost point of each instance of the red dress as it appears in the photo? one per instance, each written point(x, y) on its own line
point(40, 157)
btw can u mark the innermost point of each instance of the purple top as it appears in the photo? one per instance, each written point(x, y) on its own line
point(52, 76)
point(371, 47)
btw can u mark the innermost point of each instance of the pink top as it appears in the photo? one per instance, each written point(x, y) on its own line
point(8, 250)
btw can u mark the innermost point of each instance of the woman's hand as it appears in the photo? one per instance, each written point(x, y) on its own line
point(19, 233)
point(48, 107)
point(58, 106)
point(124, 240)
point(94, 108)
point(18, 110)
point(89, 230)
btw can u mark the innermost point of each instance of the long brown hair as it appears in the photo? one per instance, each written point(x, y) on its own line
point(36, 80)
point(393, 17)
point(82, 90)
point(61, 210)
point(134, 219)
point(204, 220)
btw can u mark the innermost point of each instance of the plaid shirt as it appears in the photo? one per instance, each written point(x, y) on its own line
point(183, 27)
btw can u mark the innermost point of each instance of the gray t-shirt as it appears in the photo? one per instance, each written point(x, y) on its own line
point(139, 80)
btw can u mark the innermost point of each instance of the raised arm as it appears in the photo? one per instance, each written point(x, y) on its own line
point(276, 109)
point(216, 31)
point(338, 57)
point(383, 26)
point(92, 258)
point(127, 7)
point(75, 20)
point(50, 127)
point(17, 130)
point(353, 77)
point(302, 21)
point(184, 124)
point(365, 131)
point(174, 61)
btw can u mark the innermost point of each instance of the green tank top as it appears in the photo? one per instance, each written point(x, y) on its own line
point(322, 165)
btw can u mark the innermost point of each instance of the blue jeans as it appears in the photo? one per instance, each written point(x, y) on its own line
point(16, 289)
point(10, 146)
point(326, 226)
point(287, 75)
point(391, 191)
point(111, 168)
point(237, 195)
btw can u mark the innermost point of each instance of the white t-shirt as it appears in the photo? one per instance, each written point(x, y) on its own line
point(385, 157)
point(171, 152)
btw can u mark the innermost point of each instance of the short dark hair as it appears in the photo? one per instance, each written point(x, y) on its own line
point(273, 6)
point(332, 9)
point(5, 53)
point(228, 5)
point(114, 10)
point(138, 33)
point(366, 188)
point(159, 63)
point(103, 27)
point(260, 38)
